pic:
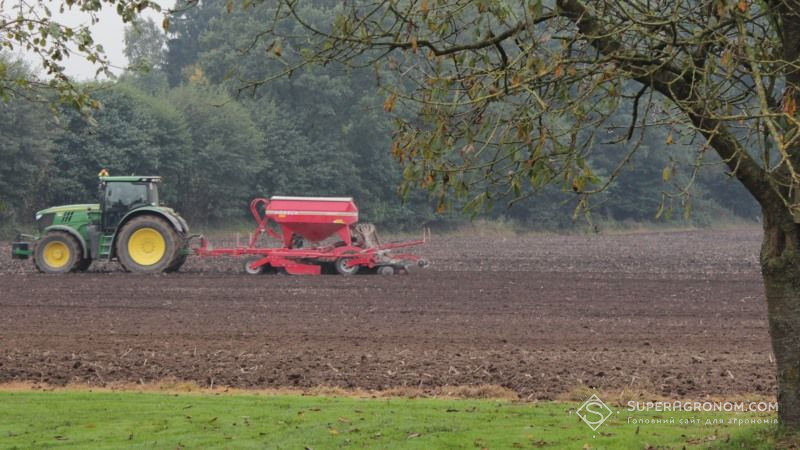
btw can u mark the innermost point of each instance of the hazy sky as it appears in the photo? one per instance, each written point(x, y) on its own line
point(109, 32)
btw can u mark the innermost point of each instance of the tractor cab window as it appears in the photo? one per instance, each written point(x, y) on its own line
point(120, 198)
point(152, 193)
point(125, 195)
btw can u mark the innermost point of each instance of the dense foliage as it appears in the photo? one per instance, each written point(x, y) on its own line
point(184, 111)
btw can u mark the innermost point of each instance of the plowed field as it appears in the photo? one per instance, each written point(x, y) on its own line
point(680, 314)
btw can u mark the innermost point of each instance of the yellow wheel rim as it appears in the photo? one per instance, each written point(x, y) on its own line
point(146, 246)
point(56, 254)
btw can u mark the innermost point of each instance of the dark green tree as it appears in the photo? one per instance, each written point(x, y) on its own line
point(324, 134)
point(145, 48)
point(26, 139)
point(227, 152)
point(131, 133)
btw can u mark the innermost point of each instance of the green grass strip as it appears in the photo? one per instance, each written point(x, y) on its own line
point(85, 420)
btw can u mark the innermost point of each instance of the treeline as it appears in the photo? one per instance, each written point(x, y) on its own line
point(182, 114)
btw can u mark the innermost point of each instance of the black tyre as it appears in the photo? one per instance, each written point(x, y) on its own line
point(328, 268)
point(178, 263)
point(148, 244)
point(84, 264)
point(343, 268)
point(251, 271)
point(385, 270)
point(57, 252)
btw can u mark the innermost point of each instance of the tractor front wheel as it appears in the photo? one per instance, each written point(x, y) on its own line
point(57, 252)
point(148, 244)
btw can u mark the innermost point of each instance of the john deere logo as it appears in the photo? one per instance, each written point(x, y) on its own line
point(594, 412)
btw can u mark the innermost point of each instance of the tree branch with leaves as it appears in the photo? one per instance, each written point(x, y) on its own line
point(495, 100)
point(33, 29)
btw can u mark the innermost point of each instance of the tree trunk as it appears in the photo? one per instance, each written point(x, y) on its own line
point(780, 268)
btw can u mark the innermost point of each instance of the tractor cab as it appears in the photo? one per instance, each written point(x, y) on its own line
point(119, 195)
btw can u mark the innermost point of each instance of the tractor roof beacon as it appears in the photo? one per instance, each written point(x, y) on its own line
point(129, 224)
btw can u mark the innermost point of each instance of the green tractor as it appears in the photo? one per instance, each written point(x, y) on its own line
point(128, 225)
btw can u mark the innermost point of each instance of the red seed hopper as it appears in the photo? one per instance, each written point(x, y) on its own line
point(305, 228)
point(313, 218)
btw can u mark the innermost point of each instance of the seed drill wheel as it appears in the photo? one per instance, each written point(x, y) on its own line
point(343, 268)
point(57, 252)
point(251, 271)
point(148, 244)
point(385, 270)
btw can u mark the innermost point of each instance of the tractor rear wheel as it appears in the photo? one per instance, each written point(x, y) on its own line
point(178, 263)
point(182, 255)
point(84, 264)
point(57, 252)
point(148, 244)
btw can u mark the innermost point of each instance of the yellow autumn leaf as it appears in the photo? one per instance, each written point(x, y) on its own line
point(197, 75)
point(542, 70)
point(789, 104)
point(522, 132)
point(742, 5)
point(396, 150)
point(726, 58)
point(441, 208)
point(666, 174)
point(388, 104)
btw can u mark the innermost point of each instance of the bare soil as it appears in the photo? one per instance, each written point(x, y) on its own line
point(679, 314)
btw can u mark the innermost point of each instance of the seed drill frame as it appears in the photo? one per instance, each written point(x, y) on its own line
point(310, 220)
